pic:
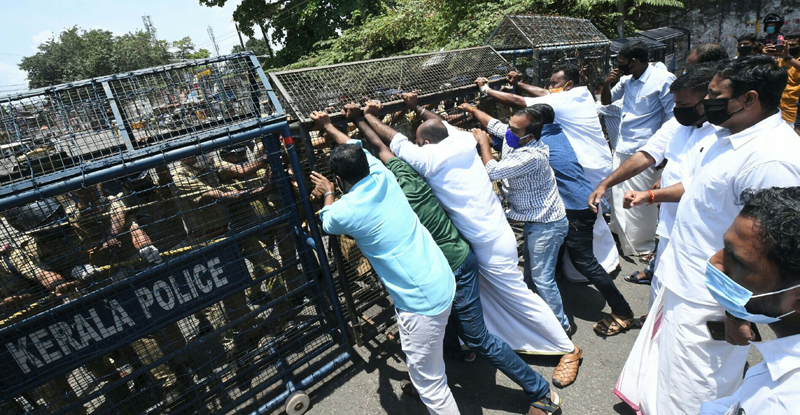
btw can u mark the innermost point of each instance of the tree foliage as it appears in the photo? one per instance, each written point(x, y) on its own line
point(79, 54)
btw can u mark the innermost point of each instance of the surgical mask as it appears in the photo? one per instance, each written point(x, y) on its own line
point(625, 69)
point(733, 297)
point(687, 116)
point(771, 30)
point(556, 90)
point(717, 110)
point(794, 51)
point(513, 140)
point(744, 50)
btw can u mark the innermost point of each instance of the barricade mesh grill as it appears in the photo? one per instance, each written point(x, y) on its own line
point(133, 255)
point(332, 87)
point(66, 126)
point(591, 61)
point(533, 32)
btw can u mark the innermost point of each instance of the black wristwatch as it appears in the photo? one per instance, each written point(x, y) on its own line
point(732, 317)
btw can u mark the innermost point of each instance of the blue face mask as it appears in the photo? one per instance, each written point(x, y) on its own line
point(513, 140)
point(771, 30)
point(733, 296)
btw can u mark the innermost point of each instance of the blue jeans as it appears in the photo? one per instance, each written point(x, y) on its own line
point(542, 242)
point(467, 319)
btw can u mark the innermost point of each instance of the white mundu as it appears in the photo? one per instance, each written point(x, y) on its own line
point(458, 179)
point(576, 111)
point(691, 368)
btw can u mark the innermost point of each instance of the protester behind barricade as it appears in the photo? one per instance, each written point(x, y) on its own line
point(756, 279)
point(375, 212)
point(647, 105)
point(573, 188)
point(466, 317)
point(772, 27)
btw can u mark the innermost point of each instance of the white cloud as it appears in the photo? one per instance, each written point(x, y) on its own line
point(40, 38)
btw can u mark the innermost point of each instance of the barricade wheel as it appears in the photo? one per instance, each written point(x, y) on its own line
point(297, 403)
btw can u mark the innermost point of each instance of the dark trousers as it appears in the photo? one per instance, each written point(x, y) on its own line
point(579, 243)
point(466, 321)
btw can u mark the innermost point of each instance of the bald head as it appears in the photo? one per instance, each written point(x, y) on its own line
point(431, 132)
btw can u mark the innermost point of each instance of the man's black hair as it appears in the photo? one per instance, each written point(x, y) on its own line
point(757, 73)
point(634, 50)
point(696, 78)
point(751, 37)
point(777, 213)
point(433, 131)
point(349, 162)
point(571, 72)
point(538, 115)
point(711, 52)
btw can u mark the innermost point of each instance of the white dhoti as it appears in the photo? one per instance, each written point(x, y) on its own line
point(655, 283)
point(688, 368)
point(635, 227)
point(511, 310)
point(604, 247)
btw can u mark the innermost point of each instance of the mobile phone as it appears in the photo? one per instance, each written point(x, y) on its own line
point(778, 48)
point(717, 330)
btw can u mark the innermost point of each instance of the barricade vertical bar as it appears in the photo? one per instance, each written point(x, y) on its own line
point(315, 233)
point(122, 126)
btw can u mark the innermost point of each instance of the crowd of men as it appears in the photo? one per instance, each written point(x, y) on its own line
point(699, 175)
point(703, 175)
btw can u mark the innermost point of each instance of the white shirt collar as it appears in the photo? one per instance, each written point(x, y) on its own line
point(743, 137)
point(645, 75)
point(781, 355)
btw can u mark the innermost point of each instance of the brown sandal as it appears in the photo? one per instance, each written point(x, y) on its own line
point(567, 369)
point(613, 324)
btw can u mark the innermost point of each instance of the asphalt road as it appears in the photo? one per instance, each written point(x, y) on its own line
point(370, 383)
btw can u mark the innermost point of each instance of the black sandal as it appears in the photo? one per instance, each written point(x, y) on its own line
point(634, 278)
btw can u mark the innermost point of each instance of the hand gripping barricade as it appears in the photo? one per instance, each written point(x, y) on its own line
point(155, 258)
point(444, 79)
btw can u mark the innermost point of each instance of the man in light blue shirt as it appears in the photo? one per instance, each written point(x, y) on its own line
point(375, 212)
point(647, 104)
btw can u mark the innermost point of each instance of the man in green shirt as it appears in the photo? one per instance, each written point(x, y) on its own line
point(467, 310)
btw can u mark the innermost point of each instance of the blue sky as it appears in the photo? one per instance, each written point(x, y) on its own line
point(26, 23)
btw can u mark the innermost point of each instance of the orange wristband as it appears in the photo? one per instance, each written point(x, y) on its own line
point(652, 197)
point(471, 110)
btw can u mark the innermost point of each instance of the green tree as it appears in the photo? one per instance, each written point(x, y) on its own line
point(183, 48)
point(622, 12)
point(299, 25)
point(257, 46)
point(200, 54)
point(79, 54)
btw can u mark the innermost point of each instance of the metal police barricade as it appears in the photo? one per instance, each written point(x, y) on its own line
point(154, 256)
point(443, 79)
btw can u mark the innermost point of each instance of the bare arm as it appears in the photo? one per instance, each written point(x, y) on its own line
point(479, 115)
point(384, 132)
point(634, 165)
point(671, 194)
point(530, 90)
point(384, 153)
point(605, 90)
point(485, 144)
point(242, 171)
point(322, 122)
point(426, 114)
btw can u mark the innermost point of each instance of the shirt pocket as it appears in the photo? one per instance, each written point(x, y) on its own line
point(714, 194)
point(649, 101)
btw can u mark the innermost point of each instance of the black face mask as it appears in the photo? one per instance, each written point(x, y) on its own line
point(717, 110)
point(794, 51)
point(625, 69)
point(744, 50)
point(687, 116)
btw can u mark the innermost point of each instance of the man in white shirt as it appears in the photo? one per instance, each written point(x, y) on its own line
point(760, 262)
point(755, 149)
point(680, 141)
point(647, 104)
point(446, 158)
point(575, 111)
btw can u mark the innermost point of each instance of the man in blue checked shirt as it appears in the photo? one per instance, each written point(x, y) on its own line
point(532, 193)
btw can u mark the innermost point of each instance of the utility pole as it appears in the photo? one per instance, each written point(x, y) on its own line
point(214, 41)
point(151, 30)
point(240, 35)
point(266, 41)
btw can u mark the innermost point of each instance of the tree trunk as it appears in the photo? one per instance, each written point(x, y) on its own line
point(621, 18)
point(266, 41)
